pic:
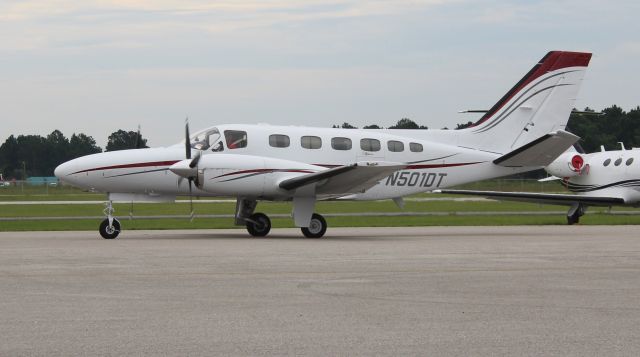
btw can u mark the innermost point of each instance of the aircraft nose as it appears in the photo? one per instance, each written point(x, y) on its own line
point(63, 171)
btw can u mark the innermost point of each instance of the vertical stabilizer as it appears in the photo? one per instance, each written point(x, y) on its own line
point(538, 104)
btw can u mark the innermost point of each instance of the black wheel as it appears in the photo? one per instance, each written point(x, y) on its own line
point(573, 219)
point(258, 225)
point(317, 227)
point(109, 232)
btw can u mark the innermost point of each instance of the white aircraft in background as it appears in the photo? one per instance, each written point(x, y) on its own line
point(605, 178)
point(4, 183)
point(523, 131)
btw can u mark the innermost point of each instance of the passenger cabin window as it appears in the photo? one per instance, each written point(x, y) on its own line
point(235, 139)
point(311, 142)
point(415, 147)
point(278, 141)
point(606, 162)
point(395, 146)
point(629, 161)
point(370, 144)
point(340, 143)
point(617, 162)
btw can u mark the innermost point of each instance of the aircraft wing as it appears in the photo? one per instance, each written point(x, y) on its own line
point(540, 152)
point(545, 198)
point(346, 179)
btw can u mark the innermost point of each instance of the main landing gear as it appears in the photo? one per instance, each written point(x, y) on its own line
point(259, 224)
point(317, 227)
point(110, 227)
point(576, 211)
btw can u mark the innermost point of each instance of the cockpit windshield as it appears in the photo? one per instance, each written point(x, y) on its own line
point(208, 139)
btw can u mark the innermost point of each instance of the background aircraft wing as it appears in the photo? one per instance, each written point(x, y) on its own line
point(540, 152)
point(346, 179)
point(545, 198)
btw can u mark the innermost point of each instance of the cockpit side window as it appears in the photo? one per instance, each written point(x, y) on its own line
point(200, 142)
point(235, 139)
point(215, 141)
point(206, 140)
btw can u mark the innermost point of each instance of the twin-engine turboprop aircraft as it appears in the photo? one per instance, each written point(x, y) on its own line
point(523, 131)
point(605, 178)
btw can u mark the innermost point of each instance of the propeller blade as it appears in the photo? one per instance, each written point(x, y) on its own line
point(195, 160)
point(187, 142)
point(191, 214)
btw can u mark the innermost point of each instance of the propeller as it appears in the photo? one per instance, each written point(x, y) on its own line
point(188, 170)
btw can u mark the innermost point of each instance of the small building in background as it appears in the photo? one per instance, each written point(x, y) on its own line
point(42, 180)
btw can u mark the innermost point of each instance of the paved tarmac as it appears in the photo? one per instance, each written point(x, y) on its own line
point(429, 291)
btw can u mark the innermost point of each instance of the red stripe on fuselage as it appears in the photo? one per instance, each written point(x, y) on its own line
point(409, 167)
point(130, 166)
point(169, 163)
point(263, 170)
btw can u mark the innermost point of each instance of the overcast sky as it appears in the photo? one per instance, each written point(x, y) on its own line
point(98, 66)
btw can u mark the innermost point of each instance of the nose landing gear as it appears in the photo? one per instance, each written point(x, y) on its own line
point(110, 227)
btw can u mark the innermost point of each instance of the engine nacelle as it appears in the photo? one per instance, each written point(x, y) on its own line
point(567, 165)
point(246, 175)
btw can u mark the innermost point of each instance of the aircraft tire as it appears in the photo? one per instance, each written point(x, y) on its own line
point(573, 219)
point(258, 225)
point(109, 232)
point(317, 228)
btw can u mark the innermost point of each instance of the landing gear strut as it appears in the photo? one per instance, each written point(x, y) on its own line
point(576, 211)
point(110, 227)
point(317, 227)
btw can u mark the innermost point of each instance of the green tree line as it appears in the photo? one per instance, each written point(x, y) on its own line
point(35, 155)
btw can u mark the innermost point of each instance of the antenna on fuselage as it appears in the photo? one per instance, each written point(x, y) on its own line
point(138, 138)
point(621, 145)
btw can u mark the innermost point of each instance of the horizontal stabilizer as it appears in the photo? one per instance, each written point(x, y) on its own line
point(545, 198)
point(540, 152)
point(346, 179)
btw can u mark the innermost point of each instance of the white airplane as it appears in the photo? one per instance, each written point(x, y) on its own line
point(605, 178)
point(523, 131)
point(4, 183)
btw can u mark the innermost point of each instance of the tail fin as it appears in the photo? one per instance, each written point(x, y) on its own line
point(538, 104)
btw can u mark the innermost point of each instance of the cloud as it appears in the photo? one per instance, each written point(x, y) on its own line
point(35, 9)
point(120, 62)
point(34, 25)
